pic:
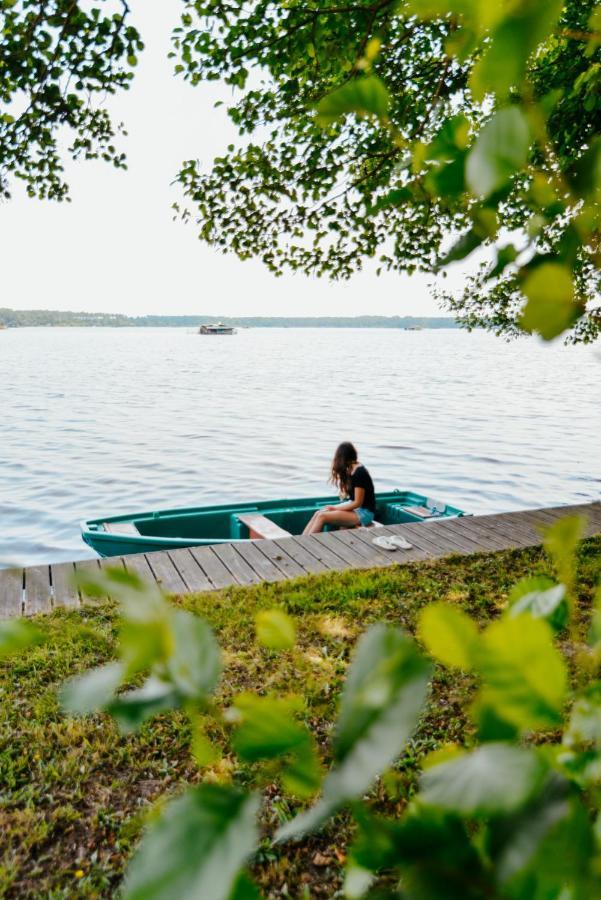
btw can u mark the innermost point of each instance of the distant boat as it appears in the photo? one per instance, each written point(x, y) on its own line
point(271, 519)
point(217, 328)
point(413, 328)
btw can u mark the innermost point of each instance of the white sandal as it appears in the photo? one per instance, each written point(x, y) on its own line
point(384, 543)
point(400, 542)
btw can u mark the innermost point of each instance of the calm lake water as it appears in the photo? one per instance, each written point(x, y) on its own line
point(106, 421)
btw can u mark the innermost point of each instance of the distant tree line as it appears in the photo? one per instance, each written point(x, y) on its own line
point(14, 318)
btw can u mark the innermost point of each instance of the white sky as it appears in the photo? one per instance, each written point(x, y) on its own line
point(115, 248)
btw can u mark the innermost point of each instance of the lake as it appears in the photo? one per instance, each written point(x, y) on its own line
point(99, 421)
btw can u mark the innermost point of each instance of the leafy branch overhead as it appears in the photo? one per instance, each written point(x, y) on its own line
point(372, 131)
point(58, 62)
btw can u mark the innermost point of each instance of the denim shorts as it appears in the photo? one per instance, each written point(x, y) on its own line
point(365, 516)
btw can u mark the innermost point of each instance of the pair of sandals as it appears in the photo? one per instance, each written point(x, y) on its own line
point(391, 542)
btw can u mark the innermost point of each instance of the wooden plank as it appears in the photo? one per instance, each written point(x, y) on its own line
point(64, 591)
point(435, 546)
point(279, 558)
point(485, 534)
point(239, 569)
point(11, 593)
point(190, 571)
point(261, 527)
point(165, 573)
point(314, 545)
point(510, 532)
point(38, 590)
point(88, 567)
point(295, 548)
point(335, 554)
point(258, 562)
point(368, 552)
point(463, 542)
point(138, 564)
point(121, 528)
point(212, 566)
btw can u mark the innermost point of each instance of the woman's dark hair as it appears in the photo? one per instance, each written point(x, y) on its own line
point(344, 458)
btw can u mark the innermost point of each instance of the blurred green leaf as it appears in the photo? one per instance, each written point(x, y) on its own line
point(462, 248)
point(275, 629)
point(16, 635)
point(92, 691)
point(525, 679)
point(363, 95)
point(542, 598)
point(383, 696)
point(133, 708)
point(500, 150)
point(551, 308)
point(448, 634)
point(561, 541)
point(194, 665)
point(245, 889)
point(515, 37)
point(196, 848)
point(267, 729)
point(493, 779)
point(515, 841)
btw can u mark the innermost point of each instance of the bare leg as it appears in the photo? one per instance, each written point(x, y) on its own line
point(344, 517)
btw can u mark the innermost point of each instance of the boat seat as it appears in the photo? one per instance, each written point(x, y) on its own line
point(120, 528)
point(261, 527)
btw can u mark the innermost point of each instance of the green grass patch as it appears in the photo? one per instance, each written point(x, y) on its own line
point(74, 793)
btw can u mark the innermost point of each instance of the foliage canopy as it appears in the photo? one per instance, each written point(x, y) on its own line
point(58, 61)
point(373, 130)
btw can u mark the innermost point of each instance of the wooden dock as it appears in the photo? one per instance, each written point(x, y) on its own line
point(40, 589)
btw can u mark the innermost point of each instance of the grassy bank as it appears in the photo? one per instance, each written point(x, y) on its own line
point(74, 793)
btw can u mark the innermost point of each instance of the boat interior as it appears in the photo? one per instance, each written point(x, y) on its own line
point(264, 519)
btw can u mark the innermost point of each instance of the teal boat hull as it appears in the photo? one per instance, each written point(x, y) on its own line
point(204, 525)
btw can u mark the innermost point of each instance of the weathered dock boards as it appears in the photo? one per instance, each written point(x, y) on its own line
point(46, 587)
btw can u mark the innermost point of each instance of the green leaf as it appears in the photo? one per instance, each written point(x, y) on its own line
point(503, 63)
point(500, 150)
point(561, 542)
point(383, 696)
point(15, 635)
point(275, 629)
point(541, 598)
point(197, 847)
point(514, 841)
point(267, 730)
point(365, 95)
point(133, 708)
point(462, 248)
point(448, 634)
point(494, 779)
point(551, 308)
point(524, 675)
point(93, 691)
point(194, 665)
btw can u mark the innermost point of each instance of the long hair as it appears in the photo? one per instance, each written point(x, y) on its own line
point(344, 458)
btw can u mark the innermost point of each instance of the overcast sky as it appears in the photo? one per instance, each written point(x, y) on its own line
point(115, 248)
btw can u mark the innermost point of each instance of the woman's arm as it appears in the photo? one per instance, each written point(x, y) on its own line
point(356, 502)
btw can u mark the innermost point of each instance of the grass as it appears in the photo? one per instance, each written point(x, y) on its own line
point(74, 793)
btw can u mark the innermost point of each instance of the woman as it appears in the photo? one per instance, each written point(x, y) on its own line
point(353, 481)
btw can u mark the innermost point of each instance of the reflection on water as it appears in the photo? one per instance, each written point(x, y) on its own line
point(106, 421)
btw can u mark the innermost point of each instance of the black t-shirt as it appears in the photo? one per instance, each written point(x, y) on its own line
point(362, 479)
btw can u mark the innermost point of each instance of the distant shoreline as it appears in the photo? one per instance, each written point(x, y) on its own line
point(13, 318)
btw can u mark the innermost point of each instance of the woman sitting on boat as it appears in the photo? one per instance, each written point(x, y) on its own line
point(353, 482)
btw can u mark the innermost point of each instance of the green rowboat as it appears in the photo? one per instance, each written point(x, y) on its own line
point(192, 527)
